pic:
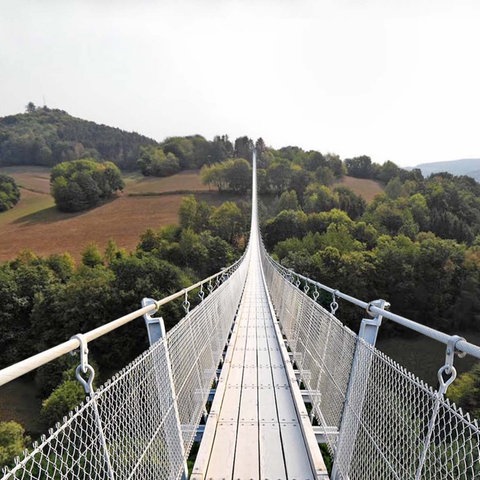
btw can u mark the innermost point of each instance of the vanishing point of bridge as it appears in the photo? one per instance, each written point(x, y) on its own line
point(238, 360)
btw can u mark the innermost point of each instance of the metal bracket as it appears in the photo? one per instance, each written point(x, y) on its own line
point(383, 304)
point(450, 352)
point(369, 326)
point(155, 326)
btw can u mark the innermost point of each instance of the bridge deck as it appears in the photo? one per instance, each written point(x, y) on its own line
point(257, 427)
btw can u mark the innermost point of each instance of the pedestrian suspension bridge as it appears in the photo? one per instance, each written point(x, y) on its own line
point(229, 374)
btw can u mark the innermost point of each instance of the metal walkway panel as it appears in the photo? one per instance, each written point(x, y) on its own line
point(254, 430)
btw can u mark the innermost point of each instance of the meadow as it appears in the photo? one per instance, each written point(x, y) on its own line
point(146, 202)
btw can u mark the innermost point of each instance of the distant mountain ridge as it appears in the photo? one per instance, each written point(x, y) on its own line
point(466, 166)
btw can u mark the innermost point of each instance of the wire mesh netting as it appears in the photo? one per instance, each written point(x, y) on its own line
point(126, 430)
point(387, 424)
point(141, 423)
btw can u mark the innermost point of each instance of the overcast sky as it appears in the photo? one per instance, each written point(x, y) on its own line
point(396, 80)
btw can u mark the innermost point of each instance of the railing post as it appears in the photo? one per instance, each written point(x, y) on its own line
point(356, 392)
point(156, 331)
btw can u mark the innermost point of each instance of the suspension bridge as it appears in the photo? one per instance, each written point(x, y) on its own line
point(229, 375)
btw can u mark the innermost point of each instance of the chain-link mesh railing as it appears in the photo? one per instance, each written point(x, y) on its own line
point(142, 422)
point(195, 346)
point(126, 430)
point(380, 421)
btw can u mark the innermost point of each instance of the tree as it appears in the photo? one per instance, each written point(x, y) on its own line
point(12, 442)
point(9, 192)
point(465, 391)
point(91, 256)
point(30, 108)
point(239, 175)
point(227, 221)
point(244, 147)
point(82, 184)
point(287, 224)
point(63, 399)
point(360, 167)
point(288, 201)
point(279, 175)
point(153, 161)
point(349, 202)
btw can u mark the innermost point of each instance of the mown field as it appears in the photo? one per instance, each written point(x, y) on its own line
point(147, 202)
point(36, 224)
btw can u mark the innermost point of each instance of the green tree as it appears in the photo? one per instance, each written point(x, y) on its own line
point(153, 161)
point(350, 202)
point(91, 256)
point(287, 224)
point(360, 167)
point(279, 175)
point(12, 442)
point(288, 201)
point(239, 175)
point(62, 400)
point(227, 221)
point(465, 391)
point(9, 192)
point(82, 184)
point(244, 147)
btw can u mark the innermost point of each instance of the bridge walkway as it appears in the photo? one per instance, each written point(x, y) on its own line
point(257, 427)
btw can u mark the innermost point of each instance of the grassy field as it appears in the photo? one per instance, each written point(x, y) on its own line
point(36, 224)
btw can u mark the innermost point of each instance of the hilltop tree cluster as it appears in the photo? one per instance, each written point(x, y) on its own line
point(44, 136)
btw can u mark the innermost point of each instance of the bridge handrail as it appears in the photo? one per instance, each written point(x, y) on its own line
point(461, 344)
point(35, 361)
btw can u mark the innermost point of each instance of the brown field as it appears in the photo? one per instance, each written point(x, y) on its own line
point(189, 180)
point(367, 189)
point(36, 224)
point(151, 202)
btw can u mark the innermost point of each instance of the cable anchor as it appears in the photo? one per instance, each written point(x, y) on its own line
point(84, 368)
point(334, 303)
point(448, 368)
point(186, 303)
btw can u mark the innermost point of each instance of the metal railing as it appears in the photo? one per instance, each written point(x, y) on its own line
point(379, 420)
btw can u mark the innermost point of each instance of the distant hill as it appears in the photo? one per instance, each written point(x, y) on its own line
point(46, 137)
point(467, 166)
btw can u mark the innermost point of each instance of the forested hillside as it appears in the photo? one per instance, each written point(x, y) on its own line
point(44, 136)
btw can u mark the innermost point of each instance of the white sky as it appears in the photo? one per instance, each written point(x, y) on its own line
point(396, 80)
